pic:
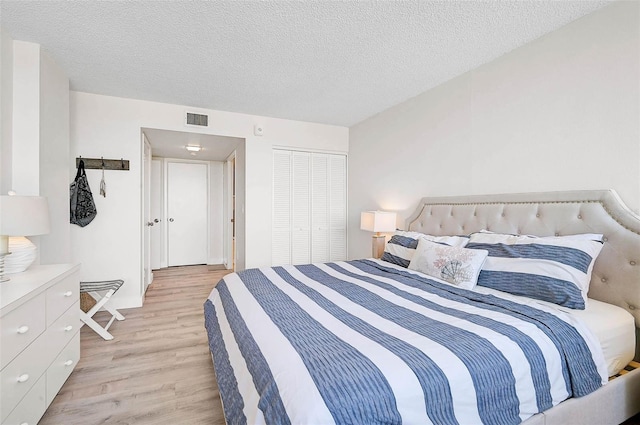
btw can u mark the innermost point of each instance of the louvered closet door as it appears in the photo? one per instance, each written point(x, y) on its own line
point(309, 207)
point(319, 208)
point(338, 207)
point(300, 212)
point(281, 236)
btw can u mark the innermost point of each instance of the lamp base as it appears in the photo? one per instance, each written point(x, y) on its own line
point(3, 278)
point(378, 246)
point(22, 253)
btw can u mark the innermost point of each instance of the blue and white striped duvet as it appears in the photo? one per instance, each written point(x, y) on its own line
point(365, 342)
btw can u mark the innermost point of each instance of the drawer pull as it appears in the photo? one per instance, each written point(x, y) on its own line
point(68, 363)
point(68, 294)
point(23, 378)
point(23, 329)
point(68, 328)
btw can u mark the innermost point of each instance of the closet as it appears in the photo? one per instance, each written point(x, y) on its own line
point(309, 207)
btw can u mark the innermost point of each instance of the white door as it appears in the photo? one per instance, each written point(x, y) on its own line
point(187, 206)
point(309, 207)
point(281, 230)
point(319, 208)
point(300, 214)
point(156, 215)
point(147, 275)
point(338, 207)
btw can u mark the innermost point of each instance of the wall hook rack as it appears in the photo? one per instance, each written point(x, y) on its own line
point(101, 163)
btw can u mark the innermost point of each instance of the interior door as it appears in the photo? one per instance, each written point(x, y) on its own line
point(301, 212)
point(187, 207)
point(147, 275)
point(156, 215)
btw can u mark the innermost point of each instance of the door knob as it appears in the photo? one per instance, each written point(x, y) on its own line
point(155, 220)
point(149, 223)
point(171, 220)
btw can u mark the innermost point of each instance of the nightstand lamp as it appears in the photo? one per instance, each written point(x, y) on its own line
point(378, 221)
point(20, 216)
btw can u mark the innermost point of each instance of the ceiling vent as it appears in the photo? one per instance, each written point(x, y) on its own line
point(198, 120)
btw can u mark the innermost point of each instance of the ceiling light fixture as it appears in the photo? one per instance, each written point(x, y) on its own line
point(193, 148)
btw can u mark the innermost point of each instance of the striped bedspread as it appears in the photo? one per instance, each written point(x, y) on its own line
point(366, 342)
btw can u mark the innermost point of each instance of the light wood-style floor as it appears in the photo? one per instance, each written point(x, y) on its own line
point(157, 369)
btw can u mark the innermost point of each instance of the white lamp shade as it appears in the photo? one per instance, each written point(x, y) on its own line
point(378, 221)
point(24, 215)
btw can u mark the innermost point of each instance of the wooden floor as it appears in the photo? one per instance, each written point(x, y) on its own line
point(157, 369)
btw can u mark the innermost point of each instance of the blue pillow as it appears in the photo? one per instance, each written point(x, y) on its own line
point(402, 246)
point(554, 269)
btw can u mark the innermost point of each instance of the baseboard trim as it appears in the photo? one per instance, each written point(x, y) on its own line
point(126, 302)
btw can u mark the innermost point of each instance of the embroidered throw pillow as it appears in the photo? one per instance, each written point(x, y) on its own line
point(455, 265)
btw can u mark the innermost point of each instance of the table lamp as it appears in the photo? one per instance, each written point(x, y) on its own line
point(378, 221)
point(20, 216)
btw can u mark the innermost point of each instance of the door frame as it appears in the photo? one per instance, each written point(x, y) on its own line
point(146, 273)
point(229, 211)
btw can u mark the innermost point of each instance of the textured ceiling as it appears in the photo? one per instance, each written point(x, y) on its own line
point(336, 62)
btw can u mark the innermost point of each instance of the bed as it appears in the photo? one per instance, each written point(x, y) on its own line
point(370, 341)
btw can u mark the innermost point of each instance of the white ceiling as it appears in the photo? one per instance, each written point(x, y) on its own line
point(335, 62)
point(171, 144)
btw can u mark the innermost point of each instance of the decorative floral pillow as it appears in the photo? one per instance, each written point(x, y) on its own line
point(455, 265)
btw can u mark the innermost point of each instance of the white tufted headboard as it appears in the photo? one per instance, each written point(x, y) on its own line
point(616, 274)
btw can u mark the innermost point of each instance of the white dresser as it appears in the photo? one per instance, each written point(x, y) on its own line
point(39, 339)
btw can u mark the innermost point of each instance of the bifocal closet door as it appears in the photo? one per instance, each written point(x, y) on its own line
point(301, 208)
point(337, 207)
point(320, 252)
point(281, 230)
point(187, 227)
point(309, 207)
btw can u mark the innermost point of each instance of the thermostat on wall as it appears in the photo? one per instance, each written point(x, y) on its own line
point(258, 130)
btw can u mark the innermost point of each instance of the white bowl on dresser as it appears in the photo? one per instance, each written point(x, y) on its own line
point(39, 339)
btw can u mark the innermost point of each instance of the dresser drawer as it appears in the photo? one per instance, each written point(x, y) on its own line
point(18, 377)
point(20, 327)
point(62, 367)
point(31, 408)
point(61, 296)
point(62, 330)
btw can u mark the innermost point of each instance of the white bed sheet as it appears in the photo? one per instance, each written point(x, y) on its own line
point(614, 328)
point(611, 325)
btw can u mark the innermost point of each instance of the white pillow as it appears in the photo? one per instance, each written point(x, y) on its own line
point(455, 265)
point(460, 241)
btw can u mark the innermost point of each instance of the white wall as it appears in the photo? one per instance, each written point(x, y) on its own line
point(6, 110)
point(560, 113)
point(26, 118)
point(107, 126)
point(35, 138)
point(54, 159)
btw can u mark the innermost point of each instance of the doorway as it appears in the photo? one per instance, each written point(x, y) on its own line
point(183, 184)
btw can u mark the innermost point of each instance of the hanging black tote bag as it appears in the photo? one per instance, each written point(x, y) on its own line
point(83, 209)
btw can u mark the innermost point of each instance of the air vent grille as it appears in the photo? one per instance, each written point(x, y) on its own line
point(197, 119)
